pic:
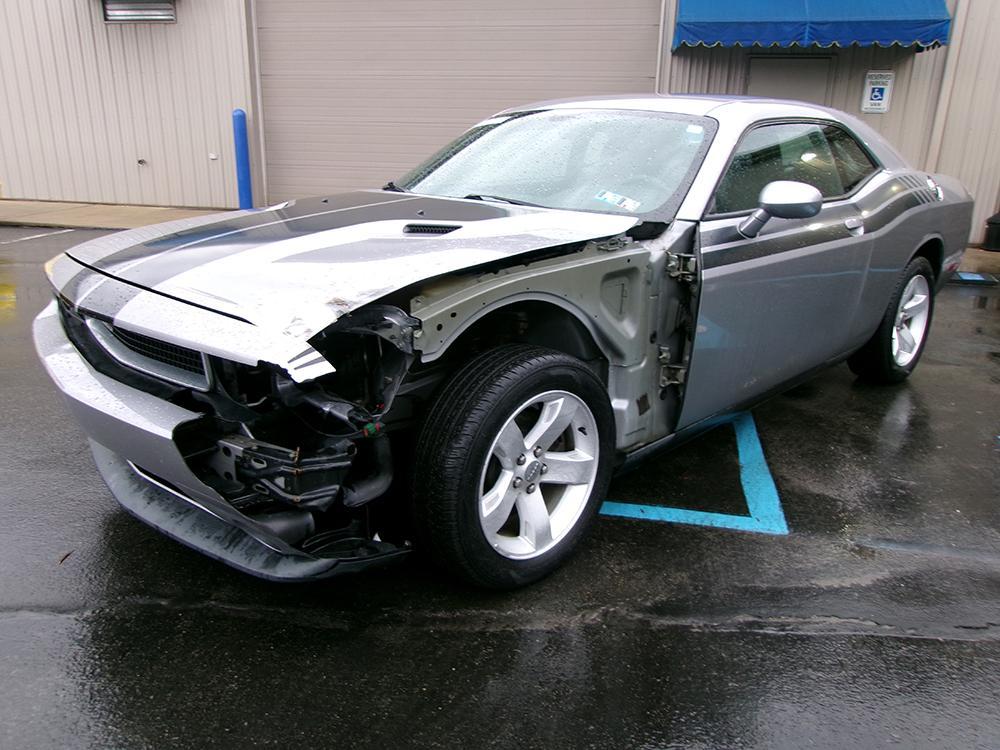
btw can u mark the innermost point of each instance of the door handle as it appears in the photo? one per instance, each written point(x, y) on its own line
point(855, 224)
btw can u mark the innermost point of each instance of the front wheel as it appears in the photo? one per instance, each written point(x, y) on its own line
point(512, 464)
point(892, 353)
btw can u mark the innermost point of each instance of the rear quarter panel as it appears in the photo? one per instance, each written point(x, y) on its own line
point(902, 214)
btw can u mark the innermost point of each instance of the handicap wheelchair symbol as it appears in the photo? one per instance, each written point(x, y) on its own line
point(877, 94)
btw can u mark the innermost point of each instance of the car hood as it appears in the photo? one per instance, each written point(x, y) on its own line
point(258, 284)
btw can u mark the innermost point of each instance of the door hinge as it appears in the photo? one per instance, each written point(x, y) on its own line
point(670, 374)
point(682, 267)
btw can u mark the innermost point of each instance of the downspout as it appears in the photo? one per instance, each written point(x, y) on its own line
point(659, 48)
point(253, 82)
point(953, 50)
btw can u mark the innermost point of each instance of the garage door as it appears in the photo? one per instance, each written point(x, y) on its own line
point(355, 92)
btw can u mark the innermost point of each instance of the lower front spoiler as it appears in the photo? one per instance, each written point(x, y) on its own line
point(222, 532)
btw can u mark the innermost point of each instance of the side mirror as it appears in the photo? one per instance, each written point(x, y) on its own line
point(784, 199)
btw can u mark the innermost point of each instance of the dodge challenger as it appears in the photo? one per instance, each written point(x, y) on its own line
point(460, 361)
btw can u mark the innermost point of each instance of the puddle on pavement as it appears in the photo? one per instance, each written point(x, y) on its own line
point(8, 296)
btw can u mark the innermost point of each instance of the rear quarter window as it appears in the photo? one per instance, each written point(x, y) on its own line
point(853, 162)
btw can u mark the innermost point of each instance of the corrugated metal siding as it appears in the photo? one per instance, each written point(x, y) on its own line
point(83, 101)
point(907, 124)
point(966, 139)
point(944, 102)
point(940, 121)
point(355, 93)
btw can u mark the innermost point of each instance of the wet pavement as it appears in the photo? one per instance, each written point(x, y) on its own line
point(875, 622)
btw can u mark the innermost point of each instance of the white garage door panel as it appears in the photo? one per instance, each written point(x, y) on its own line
point(355, 94)
point(335, 138)
point(422, 100)
point(383, 14)
point(582, 50)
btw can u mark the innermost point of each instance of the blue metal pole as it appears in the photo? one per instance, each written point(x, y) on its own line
point(244, 181)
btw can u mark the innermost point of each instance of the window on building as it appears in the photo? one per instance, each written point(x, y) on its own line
point(140, 11)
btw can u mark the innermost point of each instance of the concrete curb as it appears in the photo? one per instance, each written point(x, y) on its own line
point(90, 215)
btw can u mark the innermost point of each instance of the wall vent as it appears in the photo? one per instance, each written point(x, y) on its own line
point(140, 11)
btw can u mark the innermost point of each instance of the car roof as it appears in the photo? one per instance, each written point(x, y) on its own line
point(735, 111)
point(699, 105)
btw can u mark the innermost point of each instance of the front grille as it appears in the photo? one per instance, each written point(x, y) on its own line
point(145, 354)
point(170, 362)
point(161, 351)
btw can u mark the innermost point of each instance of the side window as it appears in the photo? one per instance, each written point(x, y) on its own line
point(783, 151)
point(853, 162)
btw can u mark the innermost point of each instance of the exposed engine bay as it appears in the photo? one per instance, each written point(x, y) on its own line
point(300, 460)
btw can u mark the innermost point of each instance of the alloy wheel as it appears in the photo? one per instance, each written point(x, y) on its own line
point(911, 321)
point(539, 474)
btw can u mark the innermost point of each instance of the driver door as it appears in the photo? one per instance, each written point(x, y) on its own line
point(780, 304)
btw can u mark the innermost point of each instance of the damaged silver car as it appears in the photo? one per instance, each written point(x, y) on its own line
point(460, 361)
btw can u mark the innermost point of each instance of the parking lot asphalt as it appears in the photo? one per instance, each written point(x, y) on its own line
point(875, 621)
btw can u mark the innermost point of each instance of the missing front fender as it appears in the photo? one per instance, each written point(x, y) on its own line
point(372, 351)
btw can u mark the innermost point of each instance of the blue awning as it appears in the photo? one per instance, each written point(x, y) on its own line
point(785, 23)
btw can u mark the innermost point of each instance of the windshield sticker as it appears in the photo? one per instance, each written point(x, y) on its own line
point(695, 134)
point(629, 204)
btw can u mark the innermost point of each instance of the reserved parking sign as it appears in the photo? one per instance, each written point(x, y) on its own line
point(878, 91)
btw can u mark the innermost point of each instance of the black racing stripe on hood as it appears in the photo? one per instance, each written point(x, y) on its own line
point(152, 263)
point(305, 215)
point(124, 292)
point(105, 300)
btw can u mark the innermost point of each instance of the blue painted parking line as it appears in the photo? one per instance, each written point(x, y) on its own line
point(764, 505)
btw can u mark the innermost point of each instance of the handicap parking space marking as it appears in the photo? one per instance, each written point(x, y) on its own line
point(761, 494)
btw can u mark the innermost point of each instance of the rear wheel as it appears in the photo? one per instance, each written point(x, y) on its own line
point(511, 465)
point(893, 352)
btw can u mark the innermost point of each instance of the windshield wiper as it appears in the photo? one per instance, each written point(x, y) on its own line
point(390, 185)
point(500, 198)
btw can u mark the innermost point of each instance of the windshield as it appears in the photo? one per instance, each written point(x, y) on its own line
point(615, 161)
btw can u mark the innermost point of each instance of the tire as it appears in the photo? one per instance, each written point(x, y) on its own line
point(892, 353)
point(481, 495)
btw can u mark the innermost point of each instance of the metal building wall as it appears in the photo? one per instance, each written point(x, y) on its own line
point(909, 121)
point(915, 95)
point(944, 102)
point(965, 140)
point(82, 101)
point(338, 76)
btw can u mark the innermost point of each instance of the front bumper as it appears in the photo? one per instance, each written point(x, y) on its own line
point(131, 434)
